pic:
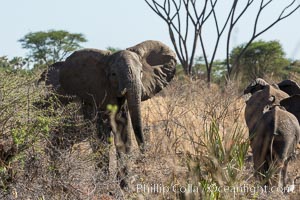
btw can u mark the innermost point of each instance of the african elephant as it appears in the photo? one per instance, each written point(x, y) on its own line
point(288, 86)
point(258, 101)
point(101, 79)
point(261, 92)
point(276, 136)
point(124, 78)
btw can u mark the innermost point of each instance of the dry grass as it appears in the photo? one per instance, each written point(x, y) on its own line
point(196, 139)
point(180, 123)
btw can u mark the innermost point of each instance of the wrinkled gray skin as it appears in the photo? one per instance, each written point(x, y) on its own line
point(125, 78)
point(261, 92)
point(273, 131)
point(258, 101)
point(273, 145)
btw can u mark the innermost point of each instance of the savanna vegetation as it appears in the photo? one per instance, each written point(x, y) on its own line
point(197, 140)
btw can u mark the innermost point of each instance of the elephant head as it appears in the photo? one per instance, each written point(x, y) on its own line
point(261, 92)
point(255, 106)
point(288, 86)
point(124, 78)
point(256, 85)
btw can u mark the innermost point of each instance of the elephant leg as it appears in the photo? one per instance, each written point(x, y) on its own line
point(276, 171)
point(284, 173)
point(103, 127)
point(123, 131)
point(126, 132)
point(123, 144)
point(88, 111)
point(103, 131)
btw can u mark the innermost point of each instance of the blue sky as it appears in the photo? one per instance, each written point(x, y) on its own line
point(119, 23)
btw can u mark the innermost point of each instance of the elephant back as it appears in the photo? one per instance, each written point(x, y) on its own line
point(159, 66)
point(95, 55)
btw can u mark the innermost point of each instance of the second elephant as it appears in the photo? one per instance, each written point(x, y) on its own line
point(276, 136)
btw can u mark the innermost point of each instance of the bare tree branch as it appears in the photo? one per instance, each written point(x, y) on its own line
point(187, 20)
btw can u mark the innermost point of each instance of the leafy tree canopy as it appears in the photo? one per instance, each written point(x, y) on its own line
point(47, 47)
point(261, 58)
point(218, 70)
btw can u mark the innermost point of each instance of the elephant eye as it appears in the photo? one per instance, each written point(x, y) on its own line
point(113, 74)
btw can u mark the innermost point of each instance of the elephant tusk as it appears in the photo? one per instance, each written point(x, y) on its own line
point(123, 92)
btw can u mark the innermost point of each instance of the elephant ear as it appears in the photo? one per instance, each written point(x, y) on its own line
point(256, 85)
point(159, 66)
point(290, 87)
point(292, 104)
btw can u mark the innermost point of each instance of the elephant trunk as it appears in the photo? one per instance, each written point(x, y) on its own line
point(133, 96)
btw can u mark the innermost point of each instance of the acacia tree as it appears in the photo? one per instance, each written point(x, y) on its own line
point(47, 47)
point(189, 19)
point(259, 59)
